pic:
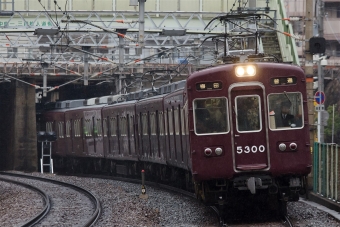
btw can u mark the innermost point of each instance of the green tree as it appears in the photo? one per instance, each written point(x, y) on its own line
point(328, 128)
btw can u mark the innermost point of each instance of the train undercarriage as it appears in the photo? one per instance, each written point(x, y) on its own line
point(274, 192)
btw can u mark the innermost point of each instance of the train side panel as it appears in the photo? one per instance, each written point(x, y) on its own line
point(74, 132)
point(93, 137)
point(175, 120)
point(55, 121)
point(149, 112)
point(119, 131)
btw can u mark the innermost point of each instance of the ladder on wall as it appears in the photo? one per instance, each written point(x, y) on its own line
point(46, 156)
point(46, 139)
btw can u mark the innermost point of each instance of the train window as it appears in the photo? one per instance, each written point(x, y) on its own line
point(182, 121)
point(113, 126)
point(285, 111)
point(88, 127)
point(145, 124)
point(123, 126)
point(131, 126)
point(176, 115)
point(161, 123)
point(76, 126)
point(105, 127)
point(210, 115)
point(166, 123)
point(139, 124)
point(248, 109)
point(98, 127)
point(61, 129)
point(49, 126)
point(153, 123)
point(170, 119)
point(68, 128)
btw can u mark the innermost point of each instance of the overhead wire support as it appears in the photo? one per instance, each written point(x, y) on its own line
point(84, 51)
point(33, 85)
point(113, 68)
point(100, 27)
point(284, 33)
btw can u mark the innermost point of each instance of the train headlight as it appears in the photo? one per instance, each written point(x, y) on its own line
point(207, 151)
point(245, 70)
point(218, 151)
point(282, 147)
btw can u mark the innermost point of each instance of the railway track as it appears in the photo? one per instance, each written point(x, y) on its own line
point(64, 199)
point(222, 220)
point(46, 200)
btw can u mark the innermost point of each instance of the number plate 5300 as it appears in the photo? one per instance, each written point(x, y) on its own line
point(248, 149)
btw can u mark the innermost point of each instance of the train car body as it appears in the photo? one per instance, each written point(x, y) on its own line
point(229, 131)
point(55, 121)
point(237, 137)
point(150, 131)
point(119, 131)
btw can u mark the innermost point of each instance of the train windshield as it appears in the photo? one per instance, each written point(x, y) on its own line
point(285, 111)
point(248, 109)
point(210, 115)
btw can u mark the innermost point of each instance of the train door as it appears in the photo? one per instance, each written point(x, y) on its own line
point(89, 117)
point(249, 127)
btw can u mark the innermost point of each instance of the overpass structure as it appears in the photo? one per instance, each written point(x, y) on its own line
point(131, 45)
point(65, 44)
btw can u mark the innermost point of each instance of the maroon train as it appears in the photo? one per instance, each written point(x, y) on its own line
point(229, 131)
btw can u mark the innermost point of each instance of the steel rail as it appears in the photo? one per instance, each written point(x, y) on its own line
point(98, 210)
point(34, 220)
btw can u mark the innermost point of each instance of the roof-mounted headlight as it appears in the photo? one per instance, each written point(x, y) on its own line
point(245, 70)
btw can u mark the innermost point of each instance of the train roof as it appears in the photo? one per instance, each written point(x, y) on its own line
point(69, 103)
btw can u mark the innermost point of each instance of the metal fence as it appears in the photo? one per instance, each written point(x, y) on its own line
point(326, 170)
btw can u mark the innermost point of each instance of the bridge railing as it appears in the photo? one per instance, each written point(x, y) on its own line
point(326, 170)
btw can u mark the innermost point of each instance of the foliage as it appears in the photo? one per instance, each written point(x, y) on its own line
point(328, 128)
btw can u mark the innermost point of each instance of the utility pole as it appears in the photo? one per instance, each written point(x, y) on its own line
point(321, 112)
point(309, 22)
point(309, 19)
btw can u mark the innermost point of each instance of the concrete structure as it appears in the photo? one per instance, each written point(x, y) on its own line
point(18, 140)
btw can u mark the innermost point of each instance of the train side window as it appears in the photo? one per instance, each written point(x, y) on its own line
point(105, 127)
point(285, 111)
point(61, 129)
point(183, 122)
point(161, 123)
point(176, 115)
point(145, 124)
point(170, 119)
point(113, 126)
point(75, 126)
point(99, 127)
point(210, 116)
point(153, 123)
point(68, 128)
point(131, 125)
point(248, 111)
point(123, 126)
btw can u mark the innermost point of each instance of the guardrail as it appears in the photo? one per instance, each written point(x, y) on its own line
point(326, 170)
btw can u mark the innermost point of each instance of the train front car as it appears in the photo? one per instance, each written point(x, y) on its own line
point(249, 132)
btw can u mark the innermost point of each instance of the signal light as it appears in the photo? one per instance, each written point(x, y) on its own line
point(207, 151)
point(293, 146)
